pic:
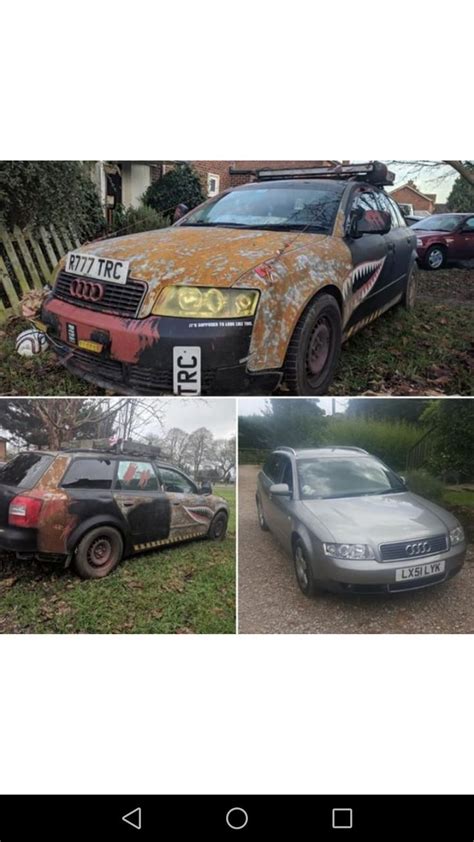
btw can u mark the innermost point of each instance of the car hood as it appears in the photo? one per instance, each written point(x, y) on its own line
point(377, 519)
point(197, 256)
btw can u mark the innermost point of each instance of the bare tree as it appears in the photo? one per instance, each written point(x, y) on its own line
point(199, 449)
point(224, 457)
point(440, 170)
point(51, 423)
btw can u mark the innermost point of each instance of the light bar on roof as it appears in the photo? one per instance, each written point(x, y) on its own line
point(374, 172)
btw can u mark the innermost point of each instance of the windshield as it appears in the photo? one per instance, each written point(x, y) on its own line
point(25, 470)
point(438, 222)
point(274, 206)
point(354, 477)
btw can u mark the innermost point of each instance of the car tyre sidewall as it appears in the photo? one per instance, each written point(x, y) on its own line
point(409, 295)
point(309, 589)
point(294, 369)
point(82, 564)
point(261, 517)
point(430, 251)
point(218, 527)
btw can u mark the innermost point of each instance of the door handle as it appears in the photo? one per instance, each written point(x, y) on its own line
point(128, 505)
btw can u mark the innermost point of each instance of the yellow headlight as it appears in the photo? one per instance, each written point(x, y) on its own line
point(206, 303)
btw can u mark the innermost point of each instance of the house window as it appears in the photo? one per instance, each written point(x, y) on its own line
point(213, 182)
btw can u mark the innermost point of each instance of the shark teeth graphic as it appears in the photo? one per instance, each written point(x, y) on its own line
point(200, 514)
point(364, 277)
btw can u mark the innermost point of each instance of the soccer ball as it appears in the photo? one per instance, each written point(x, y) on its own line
point(30, 342)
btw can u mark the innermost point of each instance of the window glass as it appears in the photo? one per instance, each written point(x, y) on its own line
point(89, 473)
point(176, 483)
point(366, 199)
point(438, 222)
point(397, 211)
point(136, 476)
point(287, 476)
point(274, 466)
point(24, 470)
point(354, 477)
point(469, 224)
point(274, 205)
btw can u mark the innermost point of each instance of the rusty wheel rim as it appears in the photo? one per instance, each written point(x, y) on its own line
point(318, 349)
point(100, 552)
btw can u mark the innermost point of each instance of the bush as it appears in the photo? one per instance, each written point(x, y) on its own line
point(180, 185)
point(390, 441)
point(423, 483)
point(135, 220)
point(34, 193)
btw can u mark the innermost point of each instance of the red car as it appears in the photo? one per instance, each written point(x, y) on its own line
point(444, 237)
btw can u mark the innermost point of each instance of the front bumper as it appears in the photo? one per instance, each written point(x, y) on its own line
point(137, 354)
point(379, 577)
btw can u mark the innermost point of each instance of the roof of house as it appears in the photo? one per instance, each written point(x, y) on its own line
point(408, 186)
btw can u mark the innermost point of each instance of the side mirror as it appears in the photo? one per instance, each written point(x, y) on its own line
point(206, 488)
point(369, 222)
point(281, 489)
point(403, 479)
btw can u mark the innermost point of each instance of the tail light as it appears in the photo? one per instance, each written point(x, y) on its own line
point(24, 511)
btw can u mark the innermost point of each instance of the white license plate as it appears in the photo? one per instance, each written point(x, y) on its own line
point(420, 571)
point(186, 370)
point(99, 268)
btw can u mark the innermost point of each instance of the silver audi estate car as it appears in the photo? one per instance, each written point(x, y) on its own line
point(351, 524)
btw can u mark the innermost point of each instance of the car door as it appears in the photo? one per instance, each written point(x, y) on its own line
point(142, 502)
point(191, 513)
point(372, 260)
point(282, 506)
point(403, 240)
point(270, 474)
point(465, 240)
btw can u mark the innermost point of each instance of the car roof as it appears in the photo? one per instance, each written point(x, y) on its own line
point(291, 182)
point(82, 451)
point(326, 452)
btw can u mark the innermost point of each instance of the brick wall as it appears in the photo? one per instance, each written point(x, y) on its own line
point(221, 168)
point(408, 196)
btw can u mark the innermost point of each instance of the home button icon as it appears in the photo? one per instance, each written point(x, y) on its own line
point(237, 818)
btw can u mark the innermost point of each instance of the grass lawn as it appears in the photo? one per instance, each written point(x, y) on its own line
point(189, 588)
point(427, 352)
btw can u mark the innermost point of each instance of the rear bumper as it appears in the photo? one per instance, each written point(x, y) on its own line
point(380, 577)
point(18, 540)
point(137, 354)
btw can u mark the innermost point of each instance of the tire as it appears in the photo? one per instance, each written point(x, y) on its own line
point(261, 517)
point(409, 294)
point(218, 527)
point(314, 348)
point(303, 570)
point(435, 258)
point(98, 552)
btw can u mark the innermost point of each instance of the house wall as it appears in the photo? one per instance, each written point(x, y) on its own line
point(410, 197)
point(135, 180)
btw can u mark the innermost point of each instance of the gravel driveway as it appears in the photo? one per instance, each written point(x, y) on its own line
point(271, 603)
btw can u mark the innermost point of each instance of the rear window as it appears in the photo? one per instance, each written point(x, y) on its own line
point(25, 470)
point(89, 473)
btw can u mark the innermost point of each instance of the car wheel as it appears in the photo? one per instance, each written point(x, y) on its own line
point(98, 552)
point(435, 258)
point(409, 295)
point(303, 569)
point(218, 527)
point(314, 348)
point(261, 517)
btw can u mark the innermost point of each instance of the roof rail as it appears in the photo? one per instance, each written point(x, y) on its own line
point(346, 447)
point(375, 172)
point(288, 449)
point(119, 448)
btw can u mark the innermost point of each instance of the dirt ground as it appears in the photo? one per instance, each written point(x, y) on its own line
point(270, 601)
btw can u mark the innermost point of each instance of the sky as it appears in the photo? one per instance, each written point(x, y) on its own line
point(255, 406)
point(439, 181)
point(217, 414)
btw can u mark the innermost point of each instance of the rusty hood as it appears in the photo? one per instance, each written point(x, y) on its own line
point(198, 256)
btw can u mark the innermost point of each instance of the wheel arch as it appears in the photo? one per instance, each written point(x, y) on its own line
point(92, 523)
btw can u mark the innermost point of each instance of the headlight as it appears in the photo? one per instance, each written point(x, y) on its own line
point(351, 551)
point(419, 242)
point(206, 302)
point(456, 536)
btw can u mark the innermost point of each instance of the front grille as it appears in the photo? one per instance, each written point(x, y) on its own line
point(144, 381)
point(119, 299)
point(393, 552)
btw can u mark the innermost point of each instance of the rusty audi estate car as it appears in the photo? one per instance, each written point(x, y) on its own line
point(256, 288)
point(91, 508)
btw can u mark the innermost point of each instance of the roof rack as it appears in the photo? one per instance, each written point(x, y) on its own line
point(374, 172)
point(288, 449)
